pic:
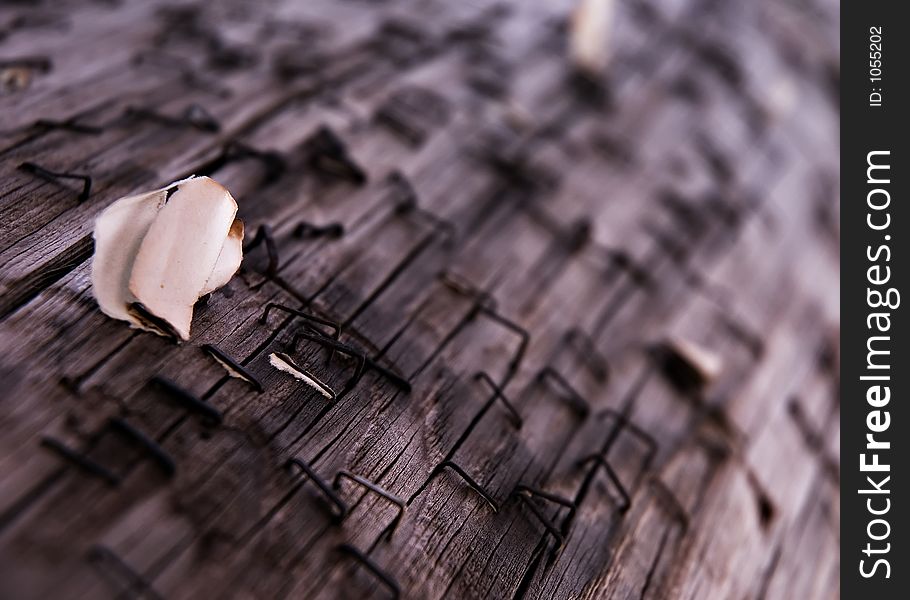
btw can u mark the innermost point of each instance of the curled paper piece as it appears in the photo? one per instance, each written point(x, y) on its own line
point(157, 253)
point(589, 35)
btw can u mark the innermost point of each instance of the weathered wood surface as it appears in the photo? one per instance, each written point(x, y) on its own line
point(696, 198)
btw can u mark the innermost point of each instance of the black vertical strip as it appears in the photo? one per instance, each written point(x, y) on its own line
point(875, 562)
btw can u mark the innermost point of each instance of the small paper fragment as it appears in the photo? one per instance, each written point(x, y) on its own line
point(689, 365)
point(589, 35)
point(283, 362)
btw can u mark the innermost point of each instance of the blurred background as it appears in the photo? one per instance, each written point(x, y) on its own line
point(586, 252)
